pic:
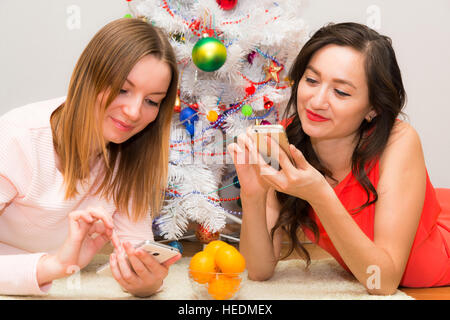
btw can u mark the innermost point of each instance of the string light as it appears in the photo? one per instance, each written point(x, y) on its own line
point(196, 25)
point(213, 201)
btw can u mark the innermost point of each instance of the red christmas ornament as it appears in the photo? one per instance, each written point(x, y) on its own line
point(267, 103)
point(227, 4)
point(250, 90)
point(204, 235)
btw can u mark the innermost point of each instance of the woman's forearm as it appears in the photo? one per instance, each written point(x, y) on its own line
point(48, 270)
point(18, 274)
point(255, 241)
point(365, 260)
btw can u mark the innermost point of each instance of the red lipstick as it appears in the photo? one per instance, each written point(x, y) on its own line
point(315, 117)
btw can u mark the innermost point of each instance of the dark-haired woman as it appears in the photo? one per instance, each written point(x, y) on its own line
point(358, 185)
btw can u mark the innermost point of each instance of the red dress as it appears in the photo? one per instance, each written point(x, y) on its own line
point(429, 260)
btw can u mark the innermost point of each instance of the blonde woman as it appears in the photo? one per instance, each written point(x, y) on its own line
point(79, 171)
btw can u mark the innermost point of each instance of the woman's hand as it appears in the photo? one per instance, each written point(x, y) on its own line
point(141, 274)
point(80, 245)
point(299, 179)
point(246, 159)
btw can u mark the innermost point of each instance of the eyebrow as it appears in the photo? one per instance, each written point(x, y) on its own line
point(157, 93)
point(335, 79)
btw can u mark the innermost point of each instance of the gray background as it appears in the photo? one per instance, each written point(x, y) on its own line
point(40, 44)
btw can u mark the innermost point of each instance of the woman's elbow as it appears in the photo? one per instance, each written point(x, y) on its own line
point(260, 275)
point(381, 281)
point(383, 290)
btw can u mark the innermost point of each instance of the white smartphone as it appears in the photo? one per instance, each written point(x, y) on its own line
point(277, 133)
point(161, 252)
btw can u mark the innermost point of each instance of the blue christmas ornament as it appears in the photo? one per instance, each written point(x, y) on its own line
point(176, 245)
point(190, 128)
point(236, 182)
point(188, 116)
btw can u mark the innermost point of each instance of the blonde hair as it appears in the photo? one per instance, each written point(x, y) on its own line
point(135, 170)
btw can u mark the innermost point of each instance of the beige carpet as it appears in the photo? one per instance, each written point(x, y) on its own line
point(324, 280)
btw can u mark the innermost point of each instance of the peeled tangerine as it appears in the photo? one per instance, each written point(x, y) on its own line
point(202, 267)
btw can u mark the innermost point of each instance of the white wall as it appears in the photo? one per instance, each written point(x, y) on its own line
point(40, 43)
point(420, 31)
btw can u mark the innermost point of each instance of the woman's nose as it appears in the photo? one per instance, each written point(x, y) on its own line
point(320, 98)
point(132, 108)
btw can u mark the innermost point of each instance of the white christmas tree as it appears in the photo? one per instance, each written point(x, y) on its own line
point(233, 59)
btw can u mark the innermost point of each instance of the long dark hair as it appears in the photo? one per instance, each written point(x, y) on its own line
point(386, 96)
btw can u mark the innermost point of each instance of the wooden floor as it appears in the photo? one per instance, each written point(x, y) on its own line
point(317, 253)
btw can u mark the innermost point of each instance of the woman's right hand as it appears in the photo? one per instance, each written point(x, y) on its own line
point(246, 159)
point(79, 247)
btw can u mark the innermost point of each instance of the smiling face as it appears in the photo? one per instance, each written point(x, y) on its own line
point(333, 96)
point(139, 100)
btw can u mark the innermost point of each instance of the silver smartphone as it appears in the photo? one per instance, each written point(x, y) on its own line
point(277, 133)
point(161, 252)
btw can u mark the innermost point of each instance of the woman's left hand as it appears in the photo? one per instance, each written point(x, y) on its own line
point(299, 179)
point(145, 275)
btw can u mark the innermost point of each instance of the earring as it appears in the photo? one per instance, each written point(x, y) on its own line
point(369, 118)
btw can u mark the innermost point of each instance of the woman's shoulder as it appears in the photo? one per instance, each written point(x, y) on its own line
point(403, 147)
point(30, 116)
point(19, 126)
point(404, 134)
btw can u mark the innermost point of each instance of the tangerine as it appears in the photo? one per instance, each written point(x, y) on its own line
point(223, 287)
point(229, 260)
point(202, 267)
point(214, 245)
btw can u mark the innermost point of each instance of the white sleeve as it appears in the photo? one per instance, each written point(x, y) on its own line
point(18, 272)
point(15, 164)
point(17, 267)
point(8, 151)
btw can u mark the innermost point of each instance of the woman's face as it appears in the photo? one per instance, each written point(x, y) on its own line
point(333, 97)
point(139, 100)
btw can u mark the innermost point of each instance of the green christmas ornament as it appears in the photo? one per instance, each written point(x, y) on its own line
point(247, 110)
point(209, 54)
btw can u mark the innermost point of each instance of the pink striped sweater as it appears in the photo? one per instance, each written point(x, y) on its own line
point(33, 212)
